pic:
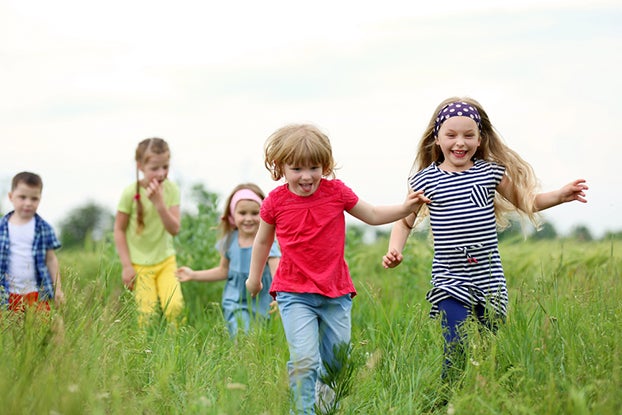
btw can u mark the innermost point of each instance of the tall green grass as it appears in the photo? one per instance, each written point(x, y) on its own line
point(560, 351)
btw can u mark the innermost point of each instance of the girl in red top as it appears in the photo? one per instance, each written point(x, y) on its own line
point(312, 284)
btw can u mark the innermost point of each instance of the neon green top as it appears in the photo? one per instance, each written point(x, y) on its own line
point(154, 244)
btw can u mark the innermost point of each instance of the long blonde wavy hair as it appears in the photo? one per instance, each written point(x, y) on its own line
point(491, 148)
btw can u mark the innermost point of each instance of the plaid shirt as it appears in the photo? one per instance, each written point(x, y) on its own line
point(45, 239)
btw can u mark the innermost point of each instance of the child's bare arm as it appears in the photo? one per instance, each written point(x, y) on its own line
point(217, 273)
point(399, 235)
point(574, 190)
point(128, 273)
point(51, 262)
point(379, 215)
point(261, 249)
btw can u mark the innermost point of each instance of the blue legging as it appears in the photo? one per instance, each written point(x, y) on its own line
point(453, 314)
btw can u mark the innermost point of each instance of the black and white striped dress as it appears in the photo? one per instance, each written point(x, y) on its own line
point(467, 264)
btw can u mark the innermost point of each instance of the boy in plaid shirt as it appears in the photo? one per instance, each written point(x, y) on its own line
point(29, 271)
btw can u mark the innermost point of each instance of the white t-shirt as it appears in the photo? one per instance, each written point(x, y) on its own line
point(22, 273)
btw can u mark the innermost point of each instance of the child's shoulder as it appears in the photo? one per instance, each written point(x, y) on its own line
point(488, 165)
point(170, 184)
point(40, 222)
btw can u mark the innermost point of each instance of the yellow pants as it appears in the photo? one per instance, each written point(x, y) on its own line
point(157, 283)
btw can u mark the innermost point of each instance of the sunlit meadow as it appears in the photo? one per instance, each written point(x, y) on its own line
point(559, 352)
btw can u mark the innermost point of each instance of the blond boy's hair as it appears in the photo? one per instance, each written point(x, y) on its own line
point(298, 144)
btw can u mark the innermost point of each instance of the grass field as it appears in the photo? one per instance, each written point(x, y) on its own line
point(560, 351)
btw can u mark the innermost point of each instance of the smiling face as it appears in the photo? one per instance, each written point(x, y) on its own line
point(25, 200)
point(246, 217)
point(303, 180)
point(155, 167)
point(458, 139)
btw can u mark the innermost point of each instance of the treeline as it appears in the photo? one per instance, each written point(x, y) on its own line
point(91, 222)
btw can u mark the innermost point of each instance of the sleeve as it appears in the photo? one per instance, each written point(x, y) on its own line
point(350, 199)
point(172, 196)
point(498, 171)
point(50, 241)
point(266, 213)
point(126, 200)
point(418, 181)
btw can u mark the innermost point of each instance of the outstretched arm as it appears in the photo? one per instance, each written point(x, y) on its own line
point(218, 273)
point(379, 215)
point(572, 191)
point(261, 250)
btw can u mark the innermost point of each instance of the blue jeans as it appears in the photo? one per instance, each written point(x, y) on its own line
point(315, 327)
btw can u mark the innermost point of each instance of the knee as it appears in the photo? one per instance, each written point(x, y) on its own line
point(304, 366)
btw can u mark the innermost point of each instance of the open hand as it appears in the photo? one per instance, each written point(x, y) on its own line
point(184, 274)
point(574, 191)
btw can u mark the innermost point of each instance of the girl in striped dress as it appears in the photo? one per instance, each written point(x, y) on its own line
point(469, 179)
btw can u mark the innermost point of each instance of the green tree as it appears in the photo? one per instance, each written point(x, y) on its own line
point(195, 243)
point(581, 233)
point(84, 225)
point(514, 230)
point(547, 231)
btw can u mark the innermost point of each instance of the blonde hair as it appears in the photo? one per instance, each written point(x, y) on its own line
point(298, 144)
point(146, 148)
point(491, 148)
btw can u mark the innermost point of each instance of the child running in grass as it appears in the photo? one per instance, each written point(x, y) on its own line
point(148, 216)
point(312, 284)
point(469, 179)
point(238, 225)
point(29, 271)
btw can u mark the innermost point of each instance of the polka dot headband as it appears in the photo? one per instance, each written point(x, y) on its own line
point(456, 109)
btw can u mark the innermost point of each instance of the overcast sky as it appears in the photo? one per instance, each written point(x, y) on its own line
point(81, 83)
